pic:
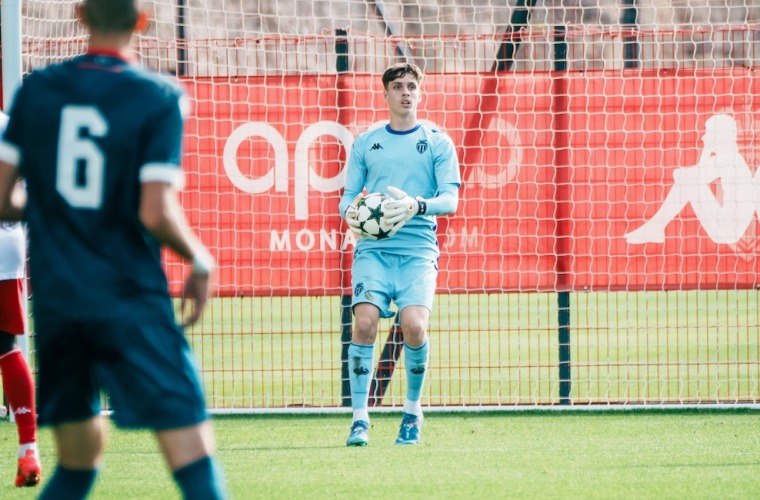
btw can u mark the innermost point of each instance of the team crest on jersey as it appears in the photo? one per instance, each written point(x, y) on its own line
point(422, 146)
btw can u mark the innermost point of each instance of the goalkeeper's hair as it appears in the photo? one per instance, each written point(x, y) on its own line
point(400, 69)
point(111, 16)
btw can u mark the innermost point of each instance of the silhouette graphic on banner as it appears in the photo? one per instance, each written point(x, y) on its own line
point(725, 214)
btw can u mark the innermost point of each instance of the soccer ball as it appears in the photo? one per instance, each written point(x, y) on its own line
point(371, 215)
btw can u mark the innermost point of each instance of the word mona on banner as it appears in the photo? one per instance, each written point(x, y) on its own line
point(323, 240)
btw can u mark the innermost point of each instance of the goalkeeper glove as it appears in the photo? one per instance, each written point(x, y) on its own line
point(403, 207)
point(352, 218)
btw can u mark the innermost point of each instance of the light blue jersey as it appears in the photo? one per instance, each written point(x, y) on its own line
point(421, 162)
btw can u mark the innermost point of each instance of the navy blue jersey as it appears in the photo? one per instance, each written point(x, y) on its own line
point(86, 133)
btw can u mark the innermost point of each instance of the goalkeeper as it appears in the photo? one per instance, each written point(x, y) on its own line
point(417, 166)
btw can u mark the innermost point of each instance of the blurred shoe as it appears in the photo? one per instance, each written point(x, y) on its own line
point(29, 470)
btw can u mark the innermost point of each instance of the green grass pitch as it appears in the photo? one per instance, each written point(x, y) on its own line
point(712, 453)
point(565, 454)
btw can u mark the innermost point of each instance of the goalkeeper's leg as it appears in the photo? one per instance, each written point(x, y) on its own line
point(415, 360)
point(360, 358)
point(416, 354)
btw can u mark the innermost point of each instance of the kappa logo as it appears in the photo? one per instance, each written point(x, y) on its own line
point(376, 146)
point(422, 146)
point(418, 370)
point(725, 215)
point(22, 411)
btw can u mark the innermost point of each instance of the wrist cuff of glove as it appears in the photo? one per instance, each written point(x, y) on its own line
point(421, 206)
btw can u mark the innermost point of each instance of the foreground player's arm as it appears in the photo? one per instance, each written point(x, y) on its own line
point(12, 193)
point(162, 215)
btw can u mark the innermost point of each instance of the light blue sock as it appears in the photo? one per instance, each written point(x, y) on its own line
point(201, 480)
point(360, 358)
point(415, 361)
point(69, 484)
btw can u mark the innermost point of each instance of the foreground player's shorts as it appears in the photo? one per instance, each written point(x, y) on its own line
point(144, 366)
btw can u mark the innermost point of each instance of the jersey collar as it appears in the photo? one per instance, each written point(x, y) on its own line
point(107, 53)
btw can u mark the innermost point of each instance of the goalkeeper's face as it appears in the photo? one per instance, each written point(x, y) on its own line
point(403, 95)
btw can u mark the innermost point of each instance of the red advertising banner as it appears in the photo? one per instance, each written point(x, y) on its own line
point(554, 196)
point(662, 178)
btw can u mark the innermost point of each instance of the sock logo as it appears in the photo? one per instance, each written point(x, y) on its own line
point(358, 368)
point(22, 411)
point(418, 370)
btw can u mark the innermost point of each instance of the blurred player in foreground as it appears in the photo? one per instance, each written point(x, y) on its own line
point(399, 158)
point(98, 141)
point(18, 385)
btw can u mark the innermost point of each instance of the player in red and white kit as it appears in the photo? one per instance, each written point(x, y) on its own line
point(18, 385)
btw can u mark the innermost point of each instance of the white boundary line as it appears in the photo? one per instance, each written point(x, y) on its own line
point(493, 409)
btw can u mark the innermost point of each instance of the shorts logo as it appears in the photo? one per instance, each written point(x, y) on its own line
point(359, 289)
point(422, 146)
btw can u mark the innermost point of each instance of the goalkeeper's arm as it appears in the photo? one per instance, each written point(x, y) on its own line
point(346, 201)
point(445, 202)
point(404, 207)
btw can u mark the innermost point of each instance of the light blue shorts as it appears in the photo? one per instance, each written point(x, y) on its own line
point(381, 278)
